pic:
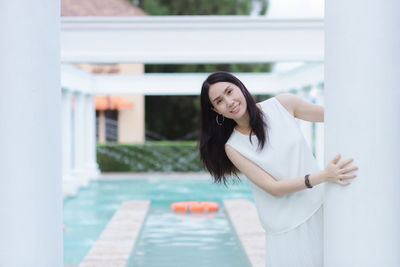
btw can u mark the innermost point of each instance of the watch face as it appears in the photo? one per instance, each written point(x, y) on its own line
point(307, 181)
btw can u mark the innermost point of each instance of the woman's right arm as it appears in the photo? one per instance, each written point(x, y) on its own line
point(333, 173)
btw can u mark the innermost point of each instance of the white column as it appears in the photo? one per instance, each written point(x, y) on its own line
point(30, 136)
point(362, 99)
point(70, 184)
point(79, 140)
point(66, 133)
point(91, 166)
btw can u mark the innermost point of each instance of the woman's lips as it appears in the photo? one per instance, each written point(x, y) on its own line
point(236, 109)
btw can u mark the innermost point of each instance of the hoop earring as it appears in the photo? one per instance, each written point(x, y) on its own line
point(219, 123)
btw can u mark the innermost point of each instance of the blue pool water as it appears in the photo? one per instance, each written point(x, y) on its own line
point(173, 239)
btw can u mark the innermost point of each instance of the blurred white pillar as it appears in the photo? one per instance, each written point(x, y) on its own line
point(362, 96)
point(30, 136)
point(79, 139)
point(91, 166)
point(66, 133)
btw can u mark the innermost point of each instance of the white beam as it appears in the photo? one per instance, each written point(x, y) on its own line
point(172, 84)
point(190, 39)
point(75, 79)
point(190, 83)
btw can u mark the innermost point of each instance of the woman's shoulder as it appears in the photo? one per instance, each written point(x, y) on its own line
point(265, 103)
point(232, 138)
point(282, 100)
point(288, 101)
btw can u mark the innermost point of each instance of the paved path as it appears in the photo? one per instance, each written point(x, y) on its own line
point(115, 244)
point(244, 218)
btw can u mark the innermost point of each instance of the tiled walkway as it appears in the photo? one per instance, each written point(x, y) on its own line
point(244, 218)
point(115, 244)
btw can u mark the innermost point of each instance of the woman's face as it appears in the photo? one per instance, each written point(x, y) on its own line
point(227, 100)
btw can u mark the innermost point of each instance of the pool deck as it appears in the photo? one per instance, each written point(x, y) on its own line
point(244, 218)
point(115, 244)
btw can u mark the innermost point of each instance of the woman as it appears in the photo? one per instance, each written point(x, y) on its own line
point(264, 142)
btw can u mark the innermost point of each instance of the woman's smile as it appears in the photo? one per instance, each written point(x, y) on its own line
point(236, 109)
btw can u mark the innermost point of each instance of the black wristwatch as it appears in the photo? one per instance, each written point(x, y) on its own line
point(307, 181)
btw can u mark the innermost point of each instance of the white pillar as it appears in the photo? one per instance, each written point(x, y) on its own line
point(69, 185)
point(362, 96)
point(30, 136)
point(91, 166)
point(66, 133)
point(79, 139)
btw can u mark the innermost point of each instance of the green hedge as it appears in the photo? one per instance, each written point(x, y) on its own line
point(155, 156)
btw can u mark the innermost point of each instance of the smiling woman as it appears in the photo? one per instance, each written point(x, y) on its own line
point(228, 91)
point(264, 142)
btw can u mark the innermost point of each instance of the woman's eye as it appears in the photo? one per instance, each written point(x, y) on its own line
point(229, 92)
point(219, 101)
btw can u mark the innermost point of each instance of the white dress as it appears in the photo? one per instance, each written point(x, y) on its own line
point(293, 222)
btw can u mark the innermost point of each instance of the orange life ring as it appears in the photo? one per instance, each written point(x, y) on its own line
point(194, 206)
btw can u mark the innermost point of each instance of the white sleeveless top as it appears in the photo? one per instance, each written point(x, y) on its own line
point(285, 155)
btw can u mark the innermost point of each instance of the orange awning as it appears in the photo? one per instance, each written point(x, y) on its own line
point(111, 103)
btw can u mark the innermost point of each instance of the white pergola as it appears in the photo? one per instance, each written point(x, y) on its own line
point(173, 40)
point(360, 221)
point(190, 39)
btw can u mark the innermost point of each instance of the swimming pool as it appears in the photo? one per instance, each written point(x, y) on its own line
point(165, 235)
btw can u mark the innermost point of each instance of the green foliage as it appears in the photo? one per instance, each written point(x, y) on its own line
point(200, 7)
point(149, 157)
point(208, 68)
point(264, 7)
point(197, 7)
point(154, 7)
point(260, 98)
point(173, 117)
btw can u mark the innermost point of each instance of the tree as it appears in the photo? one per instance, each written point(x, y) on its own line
point(168, 68)
point(177, 117)
point(172, 117)
point(201, 7)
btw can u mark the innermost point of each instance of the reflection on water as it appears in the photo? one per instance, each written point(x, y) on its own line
point(171, 239)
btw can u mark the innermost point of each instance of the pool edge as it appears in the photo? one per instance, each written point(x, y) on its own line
point(115, 244)
point(243, 216)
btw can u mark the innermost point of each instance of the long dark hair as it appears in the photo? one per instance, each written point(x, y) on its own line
point(213, 137)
